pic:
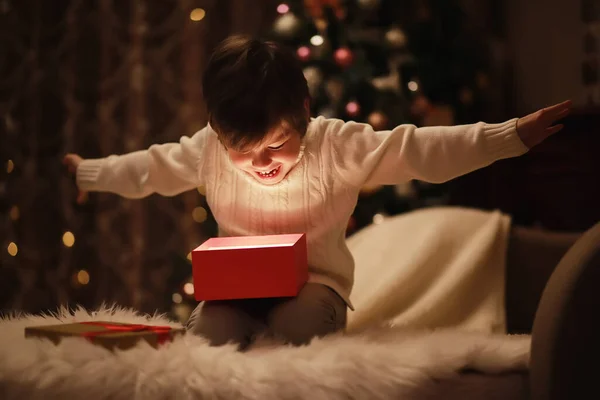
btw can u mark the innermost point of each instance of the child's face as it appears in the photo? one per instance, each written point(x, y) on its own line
point(273, 159)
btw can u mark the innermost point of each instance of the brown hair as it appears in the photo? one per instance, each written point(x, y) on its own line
point(250, 86)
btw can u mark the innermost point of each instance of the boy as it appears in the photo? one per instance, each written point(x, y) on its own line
point(268, 168)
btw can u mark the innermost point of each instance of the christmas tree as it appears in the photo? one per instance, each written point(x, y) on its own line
point(386, 63)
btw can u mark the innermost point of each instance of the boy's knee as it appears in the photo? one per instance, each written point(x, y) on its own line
point(311, 314)
point(220, 324)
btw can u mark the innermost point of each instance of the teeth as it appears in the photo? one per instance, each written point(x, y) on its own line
point(268, 174)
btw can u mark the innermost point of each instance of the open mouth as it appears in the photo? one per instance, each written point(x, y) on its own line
point(269, 174)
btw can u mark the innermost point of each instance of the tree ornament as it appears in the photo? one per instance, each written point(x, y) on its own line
point(303, 53)
point(343, 57)
point(316, 8)
point(420, 106)
point(314, 78)
point(327, 112)
point(352, 108)
point(396, 38)
point(389, 82)
point(378, 120)
point(335, 90)
point(287, 25)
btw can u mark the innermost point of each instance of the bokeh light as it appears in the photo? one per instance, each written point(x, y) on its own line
point(199, 214)
point(12, 249)
point(83, 277)
point(317, 40)
point(68, 239)
point(283, 8)
point(188, 288)
point(197, 14)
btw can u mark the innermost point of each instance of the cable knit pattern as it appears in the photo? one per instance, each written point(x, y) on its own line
point(319, 194)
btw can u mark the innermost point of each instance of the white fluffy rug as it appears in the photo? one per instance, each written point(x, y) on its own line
point(383, 363)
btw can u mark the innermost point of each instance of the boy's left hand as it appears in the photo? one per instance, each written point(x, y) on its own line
point(535, 128)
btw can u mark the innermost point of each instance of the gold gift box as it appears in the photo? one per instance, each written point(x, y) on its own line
point(110, 335)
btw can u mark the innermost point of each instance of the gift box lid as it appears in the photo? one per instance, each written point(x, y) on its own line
point(250, 242)
point(106, 333)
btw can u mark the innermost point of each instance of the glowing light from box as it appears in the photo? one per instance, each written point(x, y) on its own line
point(177, 298)
point(188, 288)
point(68, 239)
point(83, 277)
point(317, 40)
point(14, 213)
point(197, 14)
point(199, 214)
point(12, 249)
point(378, 219)
point(10, 166)
point(283, 8)
point(413, 86)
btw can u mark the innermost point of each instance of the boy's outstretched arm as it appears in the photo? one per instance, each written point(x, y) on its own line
point(363, 156)
point(167, 169)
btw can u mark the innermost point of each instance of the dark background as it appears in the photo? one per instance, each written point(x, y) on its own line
point(102, 77)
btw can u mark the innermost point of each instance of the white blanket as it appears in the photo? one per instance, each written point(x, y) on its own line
point(383, 363)
point(436, 267)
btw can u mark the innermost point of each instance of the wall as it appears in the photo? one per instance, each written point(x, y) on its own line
point(545, 47)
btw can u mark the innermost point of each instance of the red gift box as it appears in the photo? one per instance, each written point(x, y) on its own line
point(247, 267)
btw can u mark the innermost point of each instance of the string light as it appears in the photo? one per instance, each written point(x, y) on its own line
point(378, 219)
point(202, 190)
point(197, 14)
point(413, 86)
point(12, 249)
point(10, 166)
point(317, 40)
point(177, 298)
point(14, 213)
point(68, 239)
point(283, 8)
point(189, 256)
point(188, 288)
point(199, 214)
point(83, 277)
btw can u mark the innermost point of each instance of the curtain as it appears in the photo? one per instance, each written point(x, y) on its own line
point(98, 78)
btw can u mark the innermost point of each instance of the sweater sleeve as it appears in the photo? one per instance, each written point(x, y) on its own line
point(363, 156)
point(167, 169)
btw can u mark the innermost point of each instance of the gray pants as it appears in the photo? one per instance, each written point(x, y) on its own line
point(316, 311)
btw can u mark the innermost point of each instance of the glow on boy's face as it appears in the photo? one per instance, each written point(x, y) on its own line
point(270, 161)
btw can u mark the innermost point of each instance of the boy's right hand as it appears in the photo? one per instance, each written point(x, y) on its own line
point(72, 161)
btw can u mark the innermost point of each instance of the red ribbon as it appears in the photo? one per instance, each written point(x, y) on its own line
point(162, 332)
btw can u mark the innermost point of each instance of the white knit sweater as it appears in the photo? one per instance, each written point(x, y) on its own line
point(319, 194)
